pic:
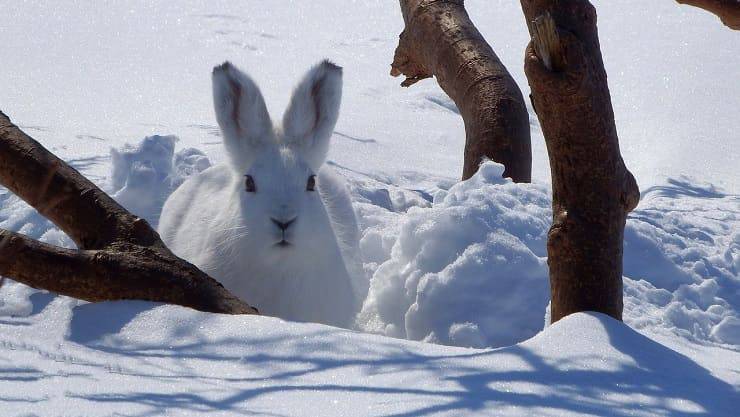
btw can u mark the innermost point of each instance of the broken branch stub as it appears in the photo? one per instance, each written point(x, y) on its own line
point(547, 43)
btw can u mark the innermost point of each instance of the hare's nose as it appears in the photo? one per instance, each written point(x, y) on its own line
point(282, 225)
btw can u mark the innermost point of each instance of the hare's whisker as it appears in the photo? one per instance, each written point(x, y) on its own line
point(228, 229)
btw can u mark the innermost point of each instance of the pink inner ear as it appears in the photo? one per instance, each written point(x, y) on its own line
point(315, 96)
point(236, 93)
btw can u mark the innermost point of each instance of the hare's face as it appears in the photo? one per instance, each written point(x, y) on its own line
point(276, 168)
point(280, 199)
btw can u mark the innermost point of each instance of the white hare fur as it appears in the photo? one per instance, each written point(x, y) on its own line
point(233, 234)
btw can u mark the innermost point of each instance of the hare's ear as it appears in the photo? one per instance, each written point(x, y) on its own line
point(313, 111)
point(241, 114)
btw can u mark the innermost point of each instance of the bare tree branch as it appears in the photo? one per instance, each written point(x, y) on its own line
point(440, 40)
point(728, 11)
point(592, 189)
point(120, 256)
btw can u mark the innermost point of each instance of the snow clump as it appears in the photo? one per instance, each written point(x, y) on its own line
point(468, 271)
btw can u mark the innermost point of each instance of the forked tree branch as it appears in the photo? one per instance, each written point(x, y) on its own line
point(120, 256)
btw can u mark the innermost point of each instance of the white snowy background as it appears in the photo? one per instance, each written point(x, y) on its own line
point(447, 263)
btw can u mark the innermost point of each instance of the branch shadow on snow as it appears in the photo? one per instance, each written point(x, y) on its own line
point(90, 324)
point(85, 163)
point(648, 379)
point(678, 187)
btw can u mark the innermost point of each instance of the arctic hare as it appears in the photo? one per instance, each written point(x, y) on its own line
point(272, 225)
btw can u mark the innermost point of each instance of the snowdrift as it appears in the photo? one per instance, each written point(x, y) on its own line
point(137, 358)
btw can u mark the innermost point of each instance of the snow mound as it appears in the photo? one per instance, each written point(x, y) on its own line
point(141, 358)
point(188, 162)
point(144, 175)
point(467, 271)
point(154, 152)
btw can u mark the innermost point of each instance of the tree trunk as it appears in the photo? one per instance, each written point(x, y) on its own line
point(728, 11)
point(592, 189)
point(439, 39)
point(120, 256)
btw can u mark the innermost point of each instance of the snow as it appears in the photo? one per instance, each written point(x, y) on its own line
point(143, 176)
point(682, 243)
point(461, 264)
point(136, 358)
point(120, 72)
point(443, 267)
point(466, 271)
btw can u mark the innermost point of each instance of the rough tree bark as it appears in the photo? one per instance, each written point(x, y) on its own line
point(120, 255)
point(439, 39)
point(592, 189)
point(728, 11)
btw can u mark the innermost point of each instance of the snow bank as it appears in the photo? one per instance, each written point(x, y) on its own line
point(468, 270)
point(139, 358)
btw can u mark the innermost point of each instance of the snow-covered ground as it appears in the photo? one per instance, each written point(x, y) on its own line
point(448, 263)
point(135, 360)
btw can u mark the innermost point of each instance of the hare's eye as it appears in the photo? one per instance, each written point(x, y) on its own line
point(311, 184)
point(249, 184)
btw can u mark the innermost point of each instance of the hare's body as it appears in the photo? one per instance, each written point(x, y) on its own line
point(273, 226)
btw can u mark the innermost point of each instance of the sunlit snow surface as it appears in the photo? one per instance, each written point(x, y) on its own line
point(137, 359)
point(448, 263)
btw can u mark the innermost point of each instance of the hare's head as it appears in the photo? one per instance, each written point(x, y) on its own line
point(277, 167)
